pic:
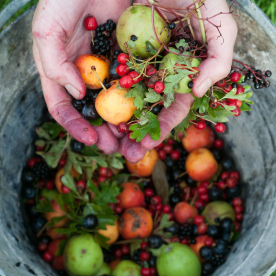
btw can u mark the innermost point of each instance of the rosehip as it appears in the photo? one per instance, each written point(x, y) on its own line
point(90, 23)
point(122, 70)
point(126, 81)
point(81, 185)
point(32, 162)
point(220, 127)
point(159, 87)
point(151, 71)
point(123, 58)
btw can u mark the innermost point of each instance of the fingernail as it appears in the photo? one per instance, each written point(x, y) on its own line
point(73, 91)
point(204, 86)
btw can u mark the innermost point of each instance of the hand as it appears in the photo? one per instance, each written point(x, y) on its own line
point(214, 68)
point(59, 38)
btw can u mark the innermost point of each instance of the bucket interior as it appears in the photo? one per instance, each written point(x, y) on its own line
point(250, 140)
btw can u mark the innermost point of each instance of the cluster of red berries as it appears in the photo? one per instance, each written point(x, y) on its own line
point(165, 149)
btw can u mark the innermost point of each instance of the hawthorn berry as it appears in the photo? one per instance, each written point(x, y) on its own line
point(65, 190)
point(118, 209)
point(151, 71)
point(134, 75)
point(221, 83)
point(81, 185)
point(149, 192)
point(118, 253)
point(101, 179)
point(237, 112)
point(200, 125)
point(32, 162)
point(166, 208)
point(175, 239)
point(126, 81)
point(202, 189)
point(159, 87)
point(214, 104)
point(185, 241)
point(125, 249)
point(237, 201)
point(156, 200)
point(203, 197)
point(47, 256)
point(50, 185)
point(224, 175)
point(218, 143)
point(122, 70)
point(153, 271)
point(221, 185)
point(129, 138)
point(235, 77)
point(144, 245)
point(160, 146)
point(162, 154)
point(220, 127)
point(199, 204)
point(240, 90)
point(239, 103)
point(205, 183)
point(123, 58)
point(209, 241)
point(90, 23)
point(238, 209)
point(109, 173)
point(231, 182)
point(168, 148)
point(62, 162)
point(198, 220)
point(144, 256)
point(175, 154)
point(239, 216)
point(145, 271)
point(226, 88)
point(237, 226)
point(202, 228)
point(122, 127)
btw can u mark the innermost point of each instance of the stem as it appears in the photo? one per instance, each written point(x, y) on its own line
point(97, 76)
point(201, 23)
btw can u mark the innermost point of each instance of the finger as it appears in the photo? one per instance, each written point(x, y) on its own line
point(169, 118)
point(133, 152)
point(55, 64)
point(114, 130)
point(106, 140)
point(60, 107)
point(220, 51)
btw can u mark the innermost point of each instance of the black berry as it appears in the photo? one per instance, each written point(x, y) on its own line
point(90, 222)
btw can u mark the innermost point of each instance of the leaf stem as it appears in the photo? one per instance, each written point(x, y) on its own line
point(200, 22)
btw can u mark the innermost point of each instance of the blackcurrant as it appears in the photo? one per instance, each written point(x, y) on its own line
point(156, 109)
point(174, 229)
point(133, 37)
point(171, 25)
point(208, 268)
point(38, 223)
point(155, 242)
point(76, 146)
point(206, 252)
point(221, 247)
point(268, 73)
point(234, 85)
point(233, 192)
point(27, 176)
point(228, 163)
point(174, 199)
point(257, 86)
point(226, 224)
point(218, 153)
point(214, 231)
point(90, 222)
point(169, 162)
point(89, 112)
point(44, 239)
point(215, 193)
point(29, 192)
point(190, 84)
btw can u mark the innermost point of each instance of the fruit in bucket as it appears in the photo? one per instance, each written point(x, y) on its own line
point(127, 29)
point(178, 260)
point(82, 256)
point(93, 68)
point(127, 268)
point(112, 105)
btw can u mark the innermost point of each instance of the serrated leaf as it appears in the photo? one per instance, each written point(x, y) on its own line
point(44, 206)
point(67, 231)
point(184, 124)
point(197, 103)
point(98, 159)
point(174, 50)
point(204, 104)
point(91, 208)
point(42, 133)
point(61, 247)
point(172, 80)
point(245, 107)
point(53, 129)
point(101, 240)
point(104, 220)
point(138, 92)
point(55, 220)
point(96, 122)
point(152, 96)
point(169, 98)
point(40, 143)
point(165, 222)
point(150, 48)
point(68, 181)
point(116, 161)
point(181, 43)
point(58, 198)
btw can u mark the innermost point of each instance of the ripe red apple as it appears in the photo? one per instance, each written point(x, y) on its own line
point(183, 211)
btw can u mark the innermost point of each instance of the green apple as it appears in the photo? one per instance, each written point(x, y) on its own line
point(178, 260)
point(104, 270)
point(136, 21)
point(218, 209)
point(127, 268)
point(82, 256)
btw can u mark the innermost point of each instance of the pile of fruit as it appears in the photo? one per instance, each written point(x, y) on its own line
point(176, 212)
point(157, 61)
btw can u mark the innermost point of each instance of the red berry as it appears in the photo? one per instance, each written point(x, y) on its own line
point(103, 171)
point(150, 66)
point(50, 185)
point(42, 246)
point(31, 201)
point(240, 90)
point(185, 241)
point(221, 185)
point(227, 87)
point(214, 104)
point(153, 271)
point(148, 84)
point(125, 249)
point(156, 200)
point(62, 162)
point(204, 197)
point(202, 228)
point(162, 154)
point(152, 207)
point(32, 162)
point(235, 174)
point(90, 23)
point(160, 146)
point(171, 141)
point(171, 217)
point(61, 134)
point(47, 256)
point(159, 87)
point(198, 220)
point(129, 138)
point(199, 203)
point(175, 154)
point(126, 81)
point(166, 209)
point(101, 179)
point(109, 173)
point(175, 239)
point(118, 209)
point(144, 256)
point(195, 74)
point(232, 102)
point(122, 70)
point(239, 103)
point(122, 127)
point(159, 207)
point(134, 75)
point(237, 226)
point(168, 148)
point(235, 77)
point(144, 245)
point(220, 127)
point(202, 190)
point(151, 71)
point(239, 216)
point(237, 201)
point(237, 112)
point(118, 253)
point(65, 190)
point(231, 182)
point(238, 209)
point(224, 175)
point(205, 184)
point(149, 192)
point(145, 271)
point(209, 241)
point(151, 213)
point(200, 125)
point(38, 148)
point(221, 83)
point(218, 143)
point(123, 58)
point(81, 185)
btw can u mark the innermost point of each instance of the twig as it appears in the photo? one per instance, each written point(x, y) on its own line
point(201, 23)
point(97, 76)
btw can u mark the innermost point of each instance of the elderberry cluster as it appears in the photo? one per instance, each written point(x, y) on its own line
point(259, 78)
point(103, 40)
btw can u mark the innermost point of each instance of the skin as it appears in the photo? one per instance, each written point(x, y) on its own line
point(59, 38)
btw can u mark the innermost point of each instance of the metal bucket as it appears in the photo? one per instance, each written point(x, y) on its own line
point(251, 140)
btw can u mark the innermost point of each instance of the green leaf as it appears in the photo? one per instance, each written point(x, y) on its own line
point(173, 50)
point(61, 247)
point(247, 88)
point(241, 79)
point(90, 151)
point(236, 236)
point(245, 107)
point(44, 206)
point(152, 96)
point(182, 43)
point(40, 143)
point(93, 188)
point(204, 104)
point(184, 124)
point(53, 129)
point(165, 222)
point(197, 102)
point(132, 47)
point(273, 273)
point(172, 80)
point(137, 92)
point(150, 48)
point(98, 159)
point(71, 229)
point(42, 133)
point(91, 208)
point(116, 161)
point(96, 122)
point(68, 181)
point(152, 127)
point(168, 99)
point(55, 220)
point(108, 195)
point(157, 252)
point(58, 198)
point(104, 220)
point(101, 240)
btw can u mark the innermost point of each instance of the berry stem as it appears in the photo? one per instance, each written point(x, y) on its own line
point(97, 76)
point(200, 23)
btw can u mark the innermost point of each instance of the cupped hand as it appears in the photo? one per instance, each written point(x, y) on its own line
point(59, 38)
